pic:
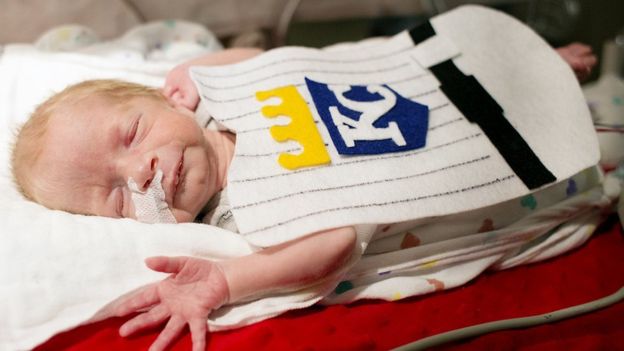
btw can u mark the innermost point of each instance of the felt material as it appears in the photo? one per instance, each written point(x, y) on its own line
point(369, 120)
point(589, 272)
point(422, 32)
point(479, 107)
point(301, 128)
point(525, 77)
point(434, 50)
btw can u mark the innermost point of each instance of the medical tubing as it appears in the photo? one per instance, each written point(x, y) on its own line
point(513, 323)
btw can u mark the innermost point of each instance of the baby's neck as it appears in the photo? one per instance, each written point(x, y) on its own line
point(222, 144)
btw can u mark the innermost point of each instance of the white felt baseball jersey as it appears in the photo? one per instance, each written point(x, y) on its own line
point(467, 110)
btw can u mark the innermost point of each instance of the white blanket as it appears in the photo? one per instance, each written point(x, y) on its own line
point(58, 269)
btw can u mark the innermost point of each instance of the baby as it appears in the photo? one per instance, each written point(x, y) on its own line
point(83, 147)
point(77, 153)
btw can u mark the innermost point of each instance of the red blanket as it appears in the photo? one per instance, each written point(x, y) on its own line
point(589, 272)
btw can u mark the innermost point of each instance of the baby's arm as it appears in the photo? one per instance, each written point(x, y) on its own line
point(291, 265)
point(196, 286)
point(179, 87)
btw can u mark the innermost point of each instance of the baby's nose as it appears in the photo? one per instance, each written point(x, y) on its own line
point(145, 172)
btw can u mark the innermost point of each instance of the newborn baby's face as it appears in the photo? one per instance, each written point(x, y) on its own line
point(93, 148)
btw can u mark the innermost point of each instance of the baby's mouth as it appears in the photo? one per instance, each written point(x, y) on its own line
point(178, 178)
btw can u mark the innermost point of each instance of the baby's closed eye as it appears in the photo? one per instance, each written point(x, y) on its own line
point(119, 202)
point(132, 132)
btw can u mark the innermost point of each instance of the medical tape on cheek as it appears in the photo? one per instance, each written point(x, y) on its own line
point(150, 205)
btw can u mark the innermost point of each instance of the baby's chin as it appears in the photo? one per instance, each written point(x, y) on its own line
point(184, 216)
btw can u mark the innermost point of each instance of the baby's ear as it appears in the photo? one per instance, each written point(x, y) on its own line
point(170, 95)
point(174, 100)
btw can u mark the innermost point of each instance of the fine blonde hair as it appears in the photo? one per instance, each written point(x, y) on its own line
point(28, 144)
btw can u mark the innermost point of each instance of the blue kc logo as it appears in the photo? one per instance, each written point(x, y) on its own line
point(367, 120)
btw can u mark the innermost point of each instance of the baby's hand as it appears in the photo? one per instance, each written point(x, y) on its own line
point(194, 288)
point(580, 57)
point(180, 89)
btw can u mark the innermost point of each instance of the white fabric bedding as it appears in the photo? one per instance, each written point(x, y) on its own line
point(42, 291)
point(61, 270)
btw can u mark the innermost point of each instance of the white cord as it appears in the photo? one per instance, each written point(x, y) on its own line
point(514, 323)
point(281, 30)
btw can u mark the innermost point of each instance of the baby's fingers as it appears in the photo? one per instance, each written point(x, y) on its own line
point(580, 49)
point(145, 320)
point(198, 333)
point(171, 331)
point(136, 300)
point(590, 60)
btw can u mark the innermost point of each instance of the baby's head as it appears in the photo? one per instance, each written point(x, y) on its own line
point(79, 149)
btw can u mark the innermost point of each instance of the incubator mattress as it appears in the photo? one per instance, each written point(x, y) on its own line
point(589, 272)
